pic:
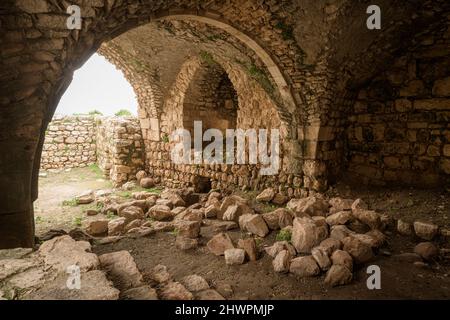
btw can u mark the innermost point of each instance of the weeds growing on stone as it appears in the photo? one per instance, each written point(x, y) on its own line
point(284, 235)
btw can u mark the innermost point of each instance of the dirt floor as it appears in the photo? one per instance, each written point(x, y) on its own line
point(257, 280)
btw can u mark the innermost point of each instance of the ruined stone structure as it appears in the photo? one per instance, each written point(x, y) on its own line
point(348, 101)
point(69, 143)
point(115, 143)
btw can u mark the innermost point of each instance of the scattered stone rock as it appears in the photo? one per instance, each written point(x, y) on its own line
point(116, 226)
point(219, 243)
point(284, 218)
point(188, 229)
point(330, 245)
point(272, 219)
point(427, 250)
point(133, 225)
point(234, 256)
point(266, 196)
point(425, 230)
point(224, 289)
point(121, 267)
point(97, 227)
point(257, 225)
point(140, 175)
point(338, 275)
point(359, 251)
point(359, 204)
point(306, 234)
point(63, 251)
point(340, 232)
point(279, 199)
point(208, 294)
point(211, 211)
point(175, 291)
point(341, 217)
point(339, 204)
point(282, 261)
point(304, 267)
point(147, 183)
point(160, 212)
point(368, 217)
point(194, 283)
point(131, 213)
point(160, 274)
point(249, 246)
point(85, 198)
point(312, 206)
point(343, 258)
point(140, 293)
point(91, 212)
point(321, 258)
point(185, 243)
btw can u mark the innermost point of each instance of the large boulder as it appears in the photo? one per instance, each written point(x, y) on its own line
point(330, 245)
point(232, 200)
point(304, 267)
point(122, 268)
point(340, 232)
point(340, 217)
point(219, 243)
point(307, 233)
point(188, 229)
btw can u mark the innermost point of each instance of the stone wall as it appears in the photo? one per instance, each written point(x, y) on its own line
point(69, 143)
point(399, 132)
point(115, 143)
point(120, 148)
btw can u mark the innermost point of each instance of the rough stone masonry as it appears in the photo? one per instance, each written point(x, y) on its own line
point(344, 99)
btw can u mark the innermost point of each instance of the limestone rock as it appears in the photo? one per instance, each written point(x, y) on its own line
point(62, 252)
point(116, 226)
point(122, 268)
point(338, 204)
point(330, 245)
point(185, 243)
point(160, 274)
point(304, 267)
point(307, 233)
point(147, 183)
point(359, 204)
point(279, 246)
point(427, 250)
point(279, 199)
point(175, 291)
point(249, 246)
point(97, 227)
point(144, 292)
point(338, 275)
point(188, 229)
point(312, 206)
point(359, 251)
point(368, 217)
point(282, 261)
point(343, 258)
point(219, 243)
point(257, 225)
point(321, 258)
point(194, 283)
point(234, 256)
point(131, 213)
point(209, 294)
point(266, 196)
point(160, 212)
point(425, 230)
point(340, 232)
point(341, 217)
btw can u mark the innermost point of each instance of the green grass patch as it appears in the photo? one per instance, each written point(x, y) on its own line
point(284, 235)
point(78, 221)
point(96, 169)
point(70, 203)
